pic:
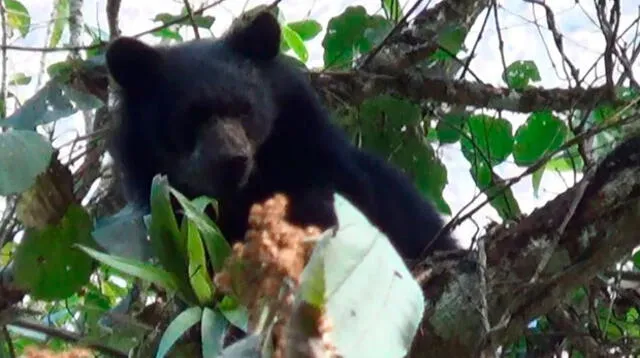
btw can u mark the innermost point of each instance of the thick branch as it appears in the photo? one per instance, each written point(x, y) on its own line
point(602, 230)
point(354, 87)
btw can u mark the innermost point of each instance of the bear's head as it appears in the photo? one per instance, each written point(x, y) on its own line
point(197, 111)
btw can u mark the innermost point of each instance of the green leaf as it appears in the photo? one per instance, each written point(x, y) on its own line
point(199, 20)
point(449, 128)
point(170, 246)
point(198, 272)
point(23, 156)
point(383, 119)
point(204, 22)
point(217, 247)
point(234, 312)
point(451, 38)
point(489, 139)
point(346, 266)
point(542, 133)
point(61, 19)
point(392, 10)
point(48, 104)
point(569, 160)
point(177, 328)
point(603, 113)
point(123, 234)
point(307, 29)
point(493, 186)
point(47, 265)
point(386, 124)
point(84, 101)
point(636, 260)
point(536, 179)
point(345, 37)
point(519, 74)
point(18, 16)
point(200, 203)
point(6, 253)
point(166, 33)
point(60, 70)
point(213, 328)
point(248, 347)
point(418, 159)
point(19, 79)
point(135, 268)
point(295, 42)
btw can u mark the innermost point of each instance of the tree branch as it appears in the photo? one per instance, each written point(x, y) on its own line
point(353, 88)
point(602, 230)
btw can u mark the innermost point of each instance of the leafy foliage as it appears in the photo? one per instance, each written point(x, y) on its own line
point(87, 266)
point(18, 16)
point(520, 74)
point(46, 262)
point(23, 156)
point(346, 36)
point(338, 277)
point(488, 140)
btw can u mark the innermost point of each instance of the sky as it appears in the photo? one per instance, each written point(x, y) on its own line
point(523, 40)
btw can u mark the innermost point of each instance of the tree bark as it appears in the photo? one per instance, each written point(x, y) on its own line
point(594, 225)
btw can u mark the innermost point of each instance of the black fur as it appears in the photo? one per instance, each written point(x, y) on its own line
point(232, 119)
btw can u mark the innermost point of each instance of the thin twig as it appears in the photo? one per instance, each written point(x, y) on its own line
point(3, 86)
point(66, 336)
point(192, 19)
point(499, 32)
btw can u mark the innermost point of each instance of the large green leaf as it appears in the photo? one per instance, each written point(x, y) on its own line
point(234, 312)
point(248, 347)
point(542, 133)
point(383, 120)
point(217, 247)
point(47, 264)
point(169, 244)
point(519, 74)
point(213, 328)
point(23, 156)
point(198, 272)
point(135, 268)
point(419, 161)
point(123, 234)
point(493, 186)
point(17, 16)
point(185, 320)
point(50, 103)
point(295, 42)
point(386, 124)
point(488, 139)
point(19, 79)
point(449, 127)
point(345, 37)
point(392, 10)
point(61, 19)
point(338, 276)
point(451, 38)
point(305, 30)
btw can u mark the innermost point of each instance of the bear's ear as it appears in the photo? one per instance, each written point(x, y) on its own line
point(132, 63)
point(256, 36)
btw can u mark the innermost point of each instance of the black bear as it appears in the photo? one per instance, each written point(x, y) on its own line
point(231, 118)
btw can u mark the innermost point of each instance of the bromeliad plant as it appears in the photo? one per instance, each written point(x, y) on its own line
point(336, 282)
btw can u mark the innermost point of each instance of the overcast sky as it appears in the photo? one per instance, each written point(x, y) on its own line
point(523, 40)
